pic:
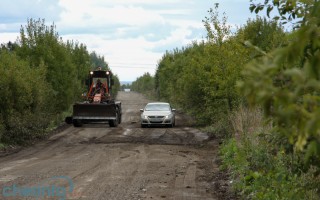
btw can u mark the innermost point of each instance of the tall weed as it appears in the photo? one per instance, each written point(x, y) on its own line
point(261, 166)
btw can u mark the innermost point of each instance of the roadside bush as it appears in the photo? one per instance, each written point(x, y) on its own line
point(245, 120)
point(286, 84)
point(281, 161)
point(221, 129)
point(24, 97)
point(116, 87)
point(260, 164)
point(2, 128)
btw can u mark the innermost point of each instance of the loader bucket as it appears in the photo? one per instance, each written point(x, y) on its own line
point(95, 112)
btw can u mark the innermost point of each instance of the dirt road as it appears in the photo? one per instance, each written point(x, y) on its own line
point(126, 162)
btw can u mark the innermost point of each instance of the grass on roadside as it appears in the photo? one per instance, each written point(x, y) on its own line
point(263, 165)
point(2, 146)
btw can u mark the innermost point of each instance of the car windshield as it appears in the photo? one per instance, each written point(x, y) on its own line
point(157, 107)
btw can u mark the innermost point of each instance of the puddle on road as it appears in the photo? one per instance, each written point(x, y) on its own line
point(200, 136)
point(127, 132)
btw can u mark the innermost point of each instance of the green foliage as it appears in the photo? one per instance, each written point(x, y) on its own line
point(81, 59)
point(40, 43)
point(288, 10)
point(144, 84)
point(262, 169)
point(24, 97)
point(260, 32)
point(217, 29)
point(2, 146)
point(286, 83)
point(116, 86)
point(98, 61)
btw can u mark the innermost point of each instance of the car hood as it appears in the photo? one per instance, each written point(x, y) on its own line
point(156, 113)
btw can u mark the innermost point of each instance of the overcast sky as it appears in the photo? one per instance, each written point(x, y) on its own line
point(132, 35)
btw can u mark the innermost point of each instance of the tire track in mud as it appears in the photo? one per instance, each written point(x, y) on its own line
point(151, 136)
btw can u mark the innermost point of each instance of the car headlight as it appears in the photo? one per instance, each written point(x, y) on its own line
point(144, 116)
point(168, 116)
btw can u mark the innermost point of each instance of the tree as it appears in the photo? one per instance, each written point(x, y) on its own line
point(116, 86)
point(40, 43)
point(286, 82)
point(262, 33)
point(98, 61)
point(24, 99)
point(144, 83)
point(293, 11)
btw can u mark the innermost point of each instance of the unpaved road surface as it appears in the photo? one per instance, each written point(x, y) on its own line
point(122, 163)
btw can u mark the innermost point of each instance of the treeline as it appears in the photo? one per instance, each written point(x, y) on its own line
point(258, 89)
point(41, 77)
point(144, 84)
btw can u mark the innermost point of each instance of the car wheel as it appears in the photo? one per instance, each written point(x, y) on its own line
point(169, 125)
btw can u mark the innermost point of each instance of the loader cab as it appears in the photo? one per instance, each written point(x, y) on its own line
point(97, 82)
point(105, 77)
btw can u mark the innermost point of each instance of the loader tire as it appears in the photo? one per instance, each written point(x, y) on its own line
point(114, 123)
point(119, 120)
point(76, 123)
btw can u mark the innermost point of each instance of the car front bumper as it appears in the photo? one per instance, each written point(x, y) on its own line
point(155, 121)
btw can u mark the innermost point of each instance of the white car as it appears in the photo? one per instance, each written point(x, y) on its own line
point(158, 113)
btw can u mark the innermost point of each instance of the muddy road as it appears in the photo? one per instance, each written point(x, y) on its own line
point(126, 162)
